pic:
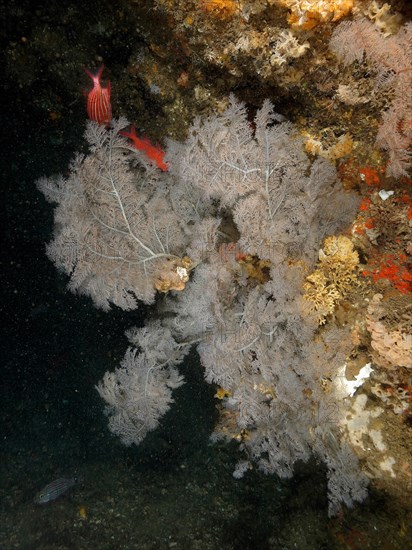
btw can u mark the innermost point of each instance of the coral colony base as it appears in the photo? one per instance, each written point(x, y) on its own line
point(235, 225)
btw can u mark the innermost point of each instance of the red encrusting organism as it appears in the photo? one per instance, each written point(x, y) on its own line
point(393, 268)
point(154, 153)
point(99, 108)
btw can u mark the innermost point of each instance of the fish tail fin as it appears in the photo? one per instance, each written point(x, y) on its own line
point(95, 77)
point(131, 134)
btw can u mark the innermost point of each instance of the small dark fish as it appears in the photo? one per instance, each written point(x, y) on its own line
point(55, 489)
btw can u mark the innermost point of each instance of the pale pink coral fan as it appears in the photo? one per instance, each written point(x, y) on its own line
point(391, 57)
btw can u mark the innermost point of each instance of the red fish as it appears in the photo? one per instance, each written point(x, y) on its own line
point(154, 153)
point(99, 108)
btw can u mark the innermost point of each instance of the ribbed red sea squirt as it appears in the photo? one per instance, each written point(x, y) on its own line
point(99, 108)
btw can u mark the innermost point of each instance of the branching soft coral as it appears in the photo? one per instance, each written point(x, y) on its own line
point(390, 56)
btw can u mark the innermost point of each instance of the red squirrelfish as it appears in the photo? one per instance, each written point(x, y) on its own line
point(98, 99)
point(154, 153)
